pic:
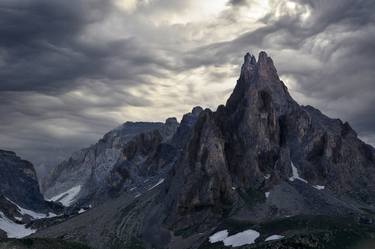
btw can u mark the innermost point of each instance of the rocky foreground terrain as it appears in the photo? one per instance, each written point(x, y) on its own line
point(261, 171)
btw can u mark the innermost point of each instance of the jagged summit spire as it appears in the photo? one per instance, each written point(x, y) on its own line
point(249, 67)
point(266, 68)
point(259, 75)
point(249, 59)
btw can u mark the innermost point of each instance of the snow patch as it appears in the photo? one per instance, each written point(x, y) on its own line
point(157, 184)
point(13, 229)
point(18, 218)
point(267, 176)
point(51, 215)
point(243, 238)
point(295, 175)
point(246, 237)
point(274, 237)
point(267, 194)
point(219, 236)
point(319, 187)
point(66, 198)
point(81, 211)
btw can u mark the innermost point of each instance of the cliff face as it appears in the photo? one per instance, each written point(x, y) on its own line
point(258, 158)
point(18, 181)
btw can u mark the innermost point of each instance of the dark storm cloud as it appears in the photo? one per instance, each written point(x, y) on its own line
point(42, 48)
point(38, 42)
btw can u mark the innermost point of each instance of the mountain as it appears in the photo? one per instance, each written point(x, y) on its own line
point(260, 169)
point(20, 198)
point(125, 158)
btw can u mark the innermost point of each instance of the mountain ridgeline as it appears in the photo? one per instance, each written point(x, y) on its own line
point(284, 175)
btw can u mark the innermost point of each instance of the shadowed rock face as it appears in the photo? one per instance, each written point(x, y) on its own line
point(258, 158)
point(19, 183)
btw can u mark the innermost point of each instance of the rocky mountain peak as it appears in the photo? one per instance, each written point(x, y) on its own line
point(265, 67)
point(248, 68)
point(252, 145)
point(259, 85)
point(197, 110)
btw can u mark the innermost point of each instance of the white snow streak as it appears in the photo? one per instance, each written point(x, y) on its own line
point(34, 215)
point(157, 184)
point(319, 187)
point(66, 198)
point(267, 194)
point(295, 175)
point(274, 237)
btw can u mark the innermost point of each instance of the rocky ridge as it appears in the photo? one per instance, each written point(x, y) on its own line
point(132, 157)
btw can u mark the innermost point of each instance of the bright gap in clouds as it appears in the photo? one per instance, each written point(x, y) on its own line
point(126, 5)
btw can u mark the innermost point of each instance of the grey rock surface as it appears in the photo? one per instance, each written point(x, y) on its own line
point(105, 167)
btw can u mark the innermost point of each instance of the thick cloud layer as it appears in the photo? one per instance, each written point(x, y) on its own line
point(72, 70)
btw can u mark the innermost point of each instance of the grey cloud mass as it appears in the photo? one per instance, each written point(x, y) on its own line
point(72, 70)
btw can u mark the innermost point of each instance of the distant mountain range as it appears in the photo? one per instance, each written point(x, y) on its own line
point(261, 171)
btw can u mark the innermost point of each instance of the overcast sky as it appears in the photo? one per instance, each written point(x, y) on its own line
point(72, 70)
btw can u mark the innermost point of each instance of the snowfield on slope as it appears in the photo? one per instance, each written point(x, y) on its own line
point(13, 229)
point(246, 237)
point(67, 198)
point(219, 236)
